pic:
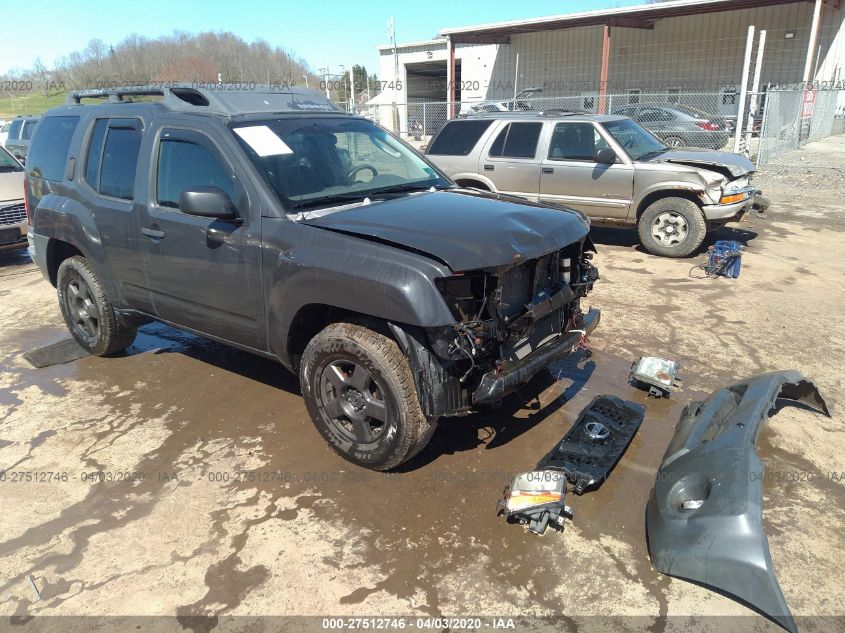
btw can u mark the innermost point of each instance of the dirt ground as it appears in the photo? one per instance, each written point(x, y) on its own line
point(186, 479)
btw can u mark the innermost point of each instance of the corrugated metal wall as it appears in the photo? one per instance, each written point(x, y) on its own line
point(699, 53)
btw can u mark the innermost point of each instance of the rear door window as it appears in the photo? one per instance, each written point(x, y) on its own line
point(49, 149)
point(185, 165)
point(95, 153)
point(458, 138)
point(119, 158)
point(517, 140)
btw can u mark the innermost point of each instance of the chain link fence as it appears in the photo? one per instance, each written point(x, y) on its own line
point(792, 118)
point(698, 119)
point(774, 121)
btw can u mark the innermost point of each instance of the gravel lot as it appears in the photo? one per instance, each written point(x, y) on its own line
point(186, 478)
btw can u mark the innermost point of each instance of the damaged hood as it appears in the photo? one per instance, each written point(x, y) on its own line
point(735, 164)
point(466, 230)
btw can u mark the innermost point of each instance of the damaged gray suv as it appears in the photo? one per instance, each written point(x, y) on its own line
point(271, 221)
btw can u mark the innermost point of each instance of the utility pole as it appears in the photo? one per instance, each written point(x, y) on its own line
point(352, 88)
point(326, 82)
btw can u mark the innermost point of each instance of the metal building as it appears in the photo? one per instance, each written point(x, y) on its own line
point(689, 50)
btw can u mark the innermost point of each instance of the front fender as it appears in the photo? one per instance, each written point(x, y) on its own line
point(668, 187)
point(322, 267)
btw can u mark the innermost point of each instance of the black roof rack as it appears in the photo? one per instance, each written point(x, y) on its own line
point(223, 99)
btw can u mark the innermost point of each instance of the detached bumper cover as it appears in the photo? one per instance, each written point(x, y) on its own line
point(704, 517)
point(496, 385)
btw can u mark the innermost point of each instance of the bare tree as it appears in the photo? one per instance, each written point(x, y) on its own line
point(39, 70)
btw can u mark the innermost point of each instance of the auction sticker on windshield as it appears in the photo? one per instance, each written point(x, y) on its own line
point(263, 140)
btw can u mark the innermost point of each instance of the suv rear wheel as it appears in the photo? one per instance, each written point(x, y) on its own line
point(361, 396)
point(672, 227)
point(88, 313)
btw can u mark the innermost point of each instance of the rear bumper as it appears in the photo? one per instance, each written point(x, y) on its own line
point(496, 385)
point(37, 249)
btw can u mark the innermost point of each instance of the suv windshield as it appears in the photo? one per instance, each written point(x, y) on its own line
point(324, 161)
point(7, 163)
point(636, 140)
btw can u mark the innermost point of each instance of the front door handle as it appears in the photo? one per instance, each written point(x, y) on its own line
point(154, 233)
point(547, 170)
point(488, 167)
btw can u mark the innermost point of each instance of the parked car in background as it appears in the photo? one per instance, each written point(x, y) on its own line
point(13, 226)
point(20, 132)
point(276, 223)
point(606, 166)
point(495, 106)
point(519, 104)
point(4, 132)
point(679, 125)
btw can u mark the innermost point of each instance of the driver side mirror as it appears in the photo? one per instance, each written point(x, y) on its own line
point(208, 202)
point(606, 156)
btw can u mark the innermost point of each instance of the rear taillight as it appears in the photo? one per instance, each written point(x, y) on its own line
point(26, 201)
point(707, 125)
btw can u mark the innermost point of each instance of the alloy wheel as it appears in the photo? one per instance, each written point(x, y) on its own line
point(84, 313)
point(353, 401)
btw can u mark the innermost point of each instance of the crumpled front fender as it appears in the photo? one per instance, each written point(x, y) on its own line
point(704, 517)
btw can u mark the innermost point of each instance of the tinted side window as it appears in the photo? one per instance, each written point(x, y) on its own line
point(28, 127)
point(95, 152)
point(575, 141)
point(183, 165)
point(458, 138)
point(49, 148)
point(15, 129)
point(120, 157)
point(517, 140)
point(652, 114)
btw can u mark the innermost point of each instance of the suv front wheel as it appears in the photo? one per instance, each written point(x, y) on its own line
point(672, 227)
point(88, 313)
point(361, 396)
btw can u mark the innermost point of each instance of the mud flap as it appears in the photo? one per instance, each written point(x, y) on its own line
point(704, 518)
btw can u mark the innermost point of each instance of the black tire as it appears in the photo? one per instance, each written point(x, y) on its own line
point(340, 398)
point(672, 227)
point(88, 312)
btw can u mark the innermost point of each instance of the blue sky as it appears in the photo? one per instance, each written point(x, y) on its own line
point(323, 31)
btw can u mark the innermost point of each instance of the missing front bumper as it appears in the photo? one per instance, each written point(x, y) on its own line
point(496, 385)
point(704, 517)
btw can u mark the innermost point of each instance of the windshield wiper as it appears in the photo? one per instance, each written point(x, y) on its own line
point(654, 153)
point(333, 198)
point(360, 196)
point(398, 190)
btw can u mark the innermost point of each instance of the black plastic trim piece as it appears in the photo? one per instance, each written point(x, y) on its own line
point(596, 442)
